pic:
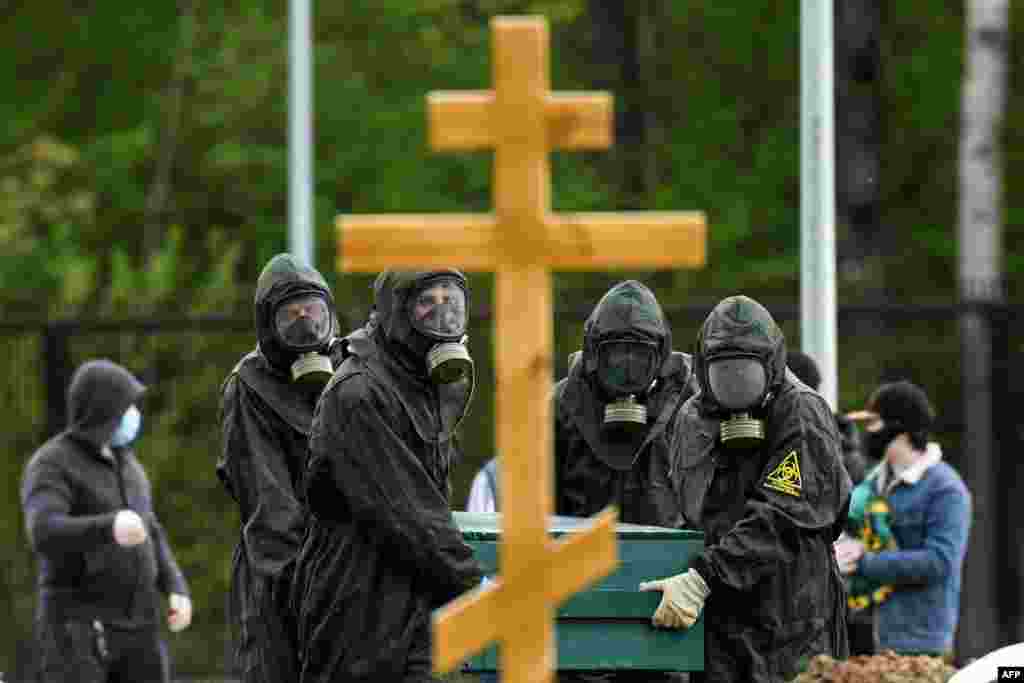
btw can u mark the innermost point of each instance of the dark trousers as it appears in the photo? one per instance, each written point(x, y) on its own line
point(84, 652)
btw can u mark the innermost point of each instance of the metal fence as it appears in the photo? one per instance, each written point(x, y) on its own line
point(183, 360)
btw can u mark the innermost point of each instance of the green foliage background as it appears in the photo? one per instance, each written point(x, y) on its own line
point(143, 173)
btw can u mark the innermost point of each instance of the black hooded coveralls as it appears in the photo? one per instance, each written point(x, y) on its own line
point(777, 597)
point(382, 549)
point(70, 493)
point(265, 422)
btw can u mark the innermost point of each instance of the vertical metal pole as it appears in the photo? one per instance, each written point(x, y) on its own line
point(56, 374)
point(817, 193)
point(983, 107)
point(300, 133)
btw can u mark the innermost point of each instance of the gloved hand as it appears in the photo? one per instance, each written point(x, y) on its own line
point(682, 599)
point(129, 529)
point(848, 553)
point(179, 615)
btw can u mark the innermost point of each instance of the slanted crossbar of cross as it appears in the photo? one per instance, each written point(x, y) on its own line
point(522, 241)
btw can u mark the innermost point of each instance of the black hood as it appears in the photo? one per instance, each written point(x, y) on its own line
point(283, 277)
point(390, 320)
point(740, 326)
point(628, 308)
point(99, 394)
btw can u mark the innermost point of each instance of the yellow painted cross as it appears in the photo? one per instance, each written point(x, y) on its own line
point(522, 241)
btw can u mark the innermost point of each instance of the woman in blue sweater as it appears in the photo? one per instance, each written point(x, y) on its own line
point(930, 517)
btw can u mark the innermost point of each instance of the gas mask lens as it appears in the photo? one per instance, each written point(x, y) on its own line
point(738, 384)
point(626, 366)
point(439, 310)
point(303, 322)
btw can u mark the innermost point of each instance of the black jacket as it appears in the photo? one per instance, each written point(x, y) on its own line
point(71, 491)
point(591, 471)
point(769, 514)
point(265, 426)
point(382, 549)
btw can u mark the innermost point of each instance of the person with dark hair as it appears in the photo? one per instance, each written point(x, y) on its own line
point(103, 556)
point(911, 572)
point(763, 479)
point(266, 411)
point(382, 550)
point(857, 465)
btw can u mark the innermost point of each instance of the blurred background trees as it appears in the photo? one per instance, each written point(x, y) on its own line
point(143, 175)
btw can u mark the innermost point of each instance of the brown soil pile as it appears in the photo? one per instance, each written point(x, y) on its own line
point(887, 667)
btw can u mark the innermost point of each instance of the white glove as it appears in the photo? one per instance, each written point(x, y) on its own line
point(129, 529)
point(179, 616)
point(682, 599)
point(848, 553)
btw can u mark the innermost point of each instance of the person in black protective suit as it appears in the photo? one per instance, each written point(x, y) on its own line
point(612, 410)
point(763, 477)
point(383, 550)
point(611, 414)
point(267, 407)
point(102, 554)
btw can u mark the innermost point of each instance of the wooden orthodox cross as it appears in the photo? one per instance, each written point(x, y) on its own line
point(522, 241)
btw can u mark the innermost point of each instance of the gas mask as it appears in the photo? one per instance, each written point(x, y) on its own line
point(625, 370)
point(438, 315)
point(739, 385)
point(303, 324)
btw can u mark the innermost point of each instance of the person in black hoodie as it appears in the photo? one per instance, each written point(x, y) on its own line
point(266, 410)
point(763, 478)
point(383, 550)
point(103, 558)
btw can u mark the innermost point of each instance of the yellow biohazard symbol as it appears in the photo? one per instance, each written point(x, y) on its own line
point(785, 478)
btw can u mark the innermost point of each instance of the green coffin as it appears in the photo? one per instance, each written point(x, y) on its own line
point(609, 625)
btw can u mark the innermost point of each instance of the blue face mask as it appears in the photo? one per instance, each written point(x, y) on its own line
point(128, 429)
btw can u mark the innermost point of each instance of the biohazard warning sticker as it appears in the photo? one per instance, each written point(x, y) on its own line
point(785, 478)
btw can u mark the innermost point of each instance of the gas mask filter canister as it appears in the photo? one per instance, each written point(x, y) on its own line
point(449, 362)
point(312, 368)
point(625, 415)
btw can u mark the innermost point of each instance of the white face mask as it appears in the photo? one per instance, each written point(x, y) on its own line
point(128, 428)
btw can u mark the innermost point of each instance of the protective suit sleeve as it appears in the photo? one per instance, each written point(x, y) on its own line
point(254, 470)
point(46, 499)
point(947, 524)
point(803, 489)
point(386, 486)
